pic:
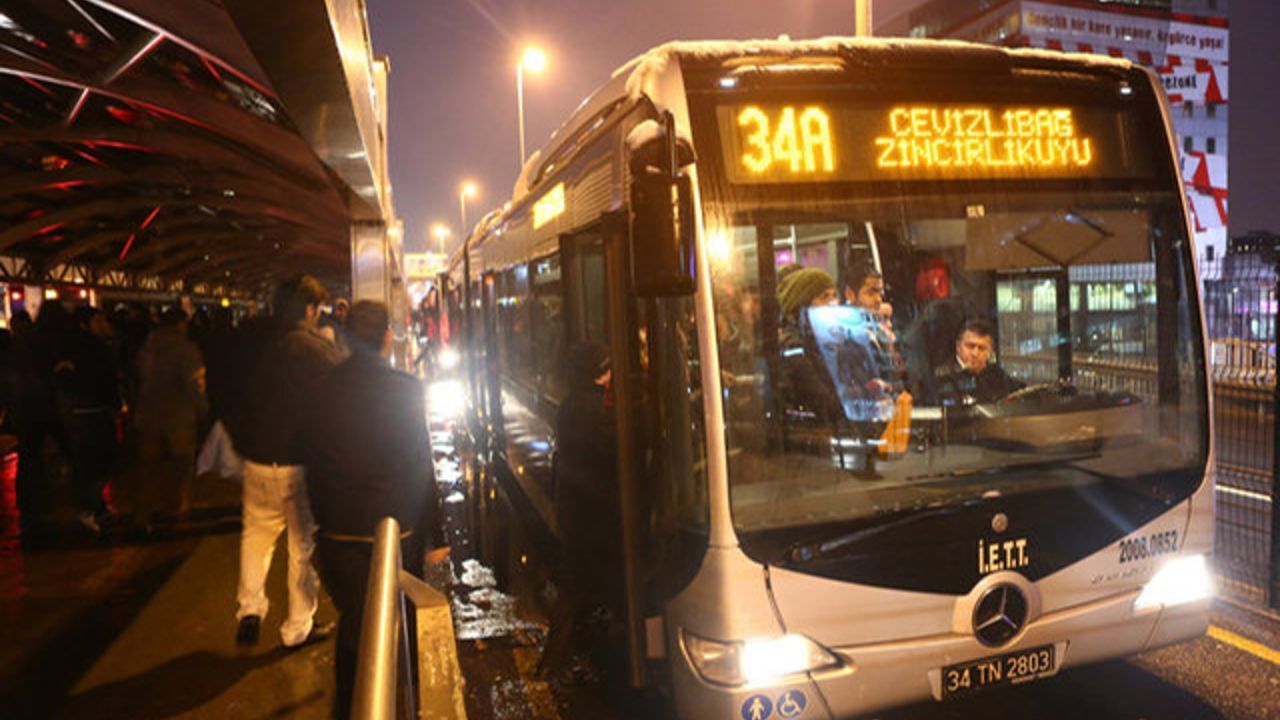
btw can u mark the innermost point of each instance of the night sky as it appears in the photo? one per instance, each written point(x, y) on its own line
point(453, 85)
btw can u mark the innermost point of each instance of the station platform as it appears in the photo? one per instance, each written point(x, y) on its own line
point(121, 628)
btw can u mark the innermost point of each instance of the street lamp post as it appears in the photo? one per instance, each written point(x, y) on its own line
point(441, 233)
point(535, 60)
point(466, 190)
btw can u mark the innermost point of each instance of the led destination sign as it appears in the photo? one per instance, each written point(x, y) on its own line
point(1022, 139)
point(816, 142)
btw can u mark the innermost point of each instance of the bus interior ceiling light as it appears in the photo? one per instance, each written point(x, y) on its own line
point(757, 660)
point(1179, 581)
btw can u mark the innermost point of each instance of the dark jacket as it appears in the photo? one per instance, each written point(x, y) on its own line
point(957, 386)
point(367, 454)
point(806, 383)
point(284, 378)
point(84, 374)
point(586, 447)
point(588, 512)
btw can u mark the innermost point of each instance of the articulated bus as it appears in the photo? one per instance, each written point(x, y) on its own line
point(908, 367)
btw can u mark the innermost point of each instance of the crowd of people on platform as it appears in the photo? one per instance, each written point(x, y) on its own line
point(91, 396)
point(330, 439)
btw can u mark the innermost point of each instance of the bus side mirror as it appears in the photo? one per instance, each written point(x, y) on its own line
point(662, 236)
point(662, 227)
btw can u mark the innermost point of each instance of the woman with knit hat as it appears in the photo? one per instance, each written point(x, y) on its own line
point(806, 382)
point(803, 288)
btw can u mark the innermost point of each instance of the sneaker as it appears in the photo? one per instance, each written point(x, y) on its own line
point(247, 632)
point(319, 633)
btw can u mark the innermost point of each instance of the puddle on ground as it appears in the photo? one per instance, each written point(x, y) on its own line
point(480, 611)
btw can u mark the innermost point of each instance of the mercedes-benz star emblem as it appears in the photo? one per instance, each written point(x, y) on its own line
point(999, 615)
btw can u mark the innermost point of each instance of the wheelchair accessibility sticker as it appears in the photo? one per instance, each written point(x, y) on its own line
point(791, 704)
point(757, 707)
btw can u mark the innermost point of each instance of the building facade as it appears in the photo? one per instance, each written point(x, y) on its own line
point(1184, 41)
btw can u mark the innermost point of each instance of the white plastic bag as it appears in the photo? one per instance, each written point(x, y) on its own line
point(219, 456)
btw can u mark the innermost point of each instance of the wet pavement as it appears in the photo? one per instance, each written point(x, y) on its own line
point(132, 628)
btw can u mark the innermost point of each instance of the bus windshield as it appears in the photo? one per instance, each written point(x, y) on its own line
point(897, 348)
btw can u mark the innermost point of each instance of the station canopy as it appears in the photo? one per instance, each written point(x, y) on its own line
point(149, 152)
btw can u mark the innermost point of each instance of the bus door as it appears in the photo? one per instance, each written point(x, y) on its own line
point(660, 441)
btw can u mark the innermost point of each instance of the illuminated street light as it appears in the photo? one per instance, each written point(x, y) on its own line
point(536, 61)
point(440, 232)
point(465, 190)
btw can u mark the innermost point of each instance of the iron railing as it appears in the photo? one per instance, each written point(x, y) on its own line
point(1240, 321)
point(390, 658)
point(384, 635)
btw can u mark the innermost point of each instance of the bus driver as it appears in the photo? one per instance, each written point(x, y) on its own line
point(972, 377)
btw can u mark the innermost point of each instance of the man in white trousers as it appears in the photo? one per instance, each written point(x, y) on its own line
point(275, 491)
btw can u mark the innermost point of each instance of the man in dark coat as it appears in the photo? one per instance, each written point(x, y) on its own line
point(587, 503)
point(35, 414)
point(971, 377)
point(367, 455)
point(87, 390)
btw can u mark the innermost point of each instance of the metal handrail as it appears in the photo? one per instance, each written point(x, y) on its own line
point(383, 633)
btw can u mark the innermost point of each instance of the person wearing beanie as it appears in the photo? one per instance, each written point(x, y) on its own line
point(806, 384)
point(803, 288)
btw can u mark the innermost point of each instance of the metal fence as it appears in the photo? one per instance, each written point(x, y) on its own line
point(1240, 312)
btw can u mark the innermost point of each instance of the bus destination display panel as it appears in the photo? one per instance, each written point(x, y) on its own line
point(822, 142)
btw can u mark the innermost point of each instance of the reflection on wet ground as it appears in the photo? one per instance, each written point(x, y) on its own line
point(126, 626)
point(9, 543)
point(500, 635)
point(481, 612)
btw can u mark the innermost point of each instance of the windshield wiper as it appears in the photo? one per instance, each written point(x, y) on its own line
point(832, 545)
point(991, 470)
point(802, 553)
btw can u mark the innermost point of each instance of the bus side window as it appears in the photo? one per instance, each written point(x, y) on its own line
point(547, 309)
point(583, 285)
point(513, 322)
point(593, 299)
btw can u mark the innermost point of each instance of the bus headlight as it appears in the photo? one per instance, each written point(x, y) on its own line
point(1181, 580)
point(757, 660)
point(448, 358)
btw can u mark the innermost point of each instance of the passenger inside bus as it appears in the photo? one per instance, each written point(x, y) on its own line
point(884, 369)
point(971, 376)
point(806, 384)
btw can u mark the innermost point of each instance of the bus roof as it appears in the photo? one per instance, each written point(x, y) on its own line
point(643, 77)
point(640, 76)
